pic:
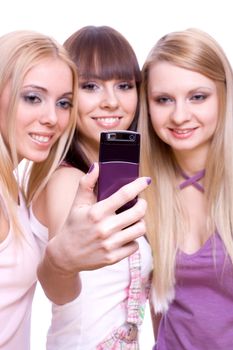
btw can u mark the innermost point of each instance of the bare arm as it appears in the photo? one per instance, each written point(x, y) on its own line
point(92, 236)
point(54, 203)
point(52, 209)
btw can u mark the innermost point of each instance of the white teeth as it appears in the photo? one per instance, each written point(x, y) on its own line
point(184, 131)
point(40, 138)
point(107, 120)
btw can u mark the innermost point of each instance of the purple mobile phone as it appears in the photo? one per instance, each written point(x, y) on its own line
point(119, 162)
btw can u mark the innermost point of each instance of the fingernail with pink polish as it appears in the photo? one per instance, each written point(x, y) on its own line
point(148, 180)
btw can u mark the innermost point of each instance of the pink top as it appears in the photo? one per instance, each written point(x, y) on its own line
point(19, 257)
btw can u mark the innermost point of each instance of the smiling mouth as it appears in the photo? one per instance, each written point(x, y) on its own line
point(108, 120)
point(40, 138)
point(182, 131)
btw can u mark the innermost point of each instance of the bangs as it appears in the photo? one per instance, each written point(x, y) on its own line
point(101, 52)
point(108, 65)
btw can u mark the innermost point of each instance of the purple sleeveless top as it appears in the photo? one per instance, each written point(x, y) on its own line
point(201, 315)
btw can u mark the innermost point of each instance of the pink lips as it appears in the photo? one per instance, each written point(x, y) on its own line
point(182, 133)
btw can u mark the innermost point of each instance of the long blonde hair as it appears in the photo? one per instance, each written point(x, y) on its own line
point(20, 52)
point(166, 221)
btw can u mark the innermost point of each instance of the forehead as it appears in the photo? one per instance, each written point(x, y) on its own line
point(52, 72)
point(164, 75)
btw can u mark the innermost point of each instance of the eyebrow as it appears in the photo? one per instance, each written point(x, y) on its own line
point(41, 88)
point(196, 89)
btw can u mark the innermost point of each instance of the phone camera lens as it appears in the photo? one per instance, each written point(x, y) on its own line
point(111, 136)
point(132, 137)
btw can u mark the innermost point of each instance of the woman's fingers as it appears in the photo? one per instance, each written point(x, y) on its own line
point(94, 235)
point(85, 193)
point(124, 195)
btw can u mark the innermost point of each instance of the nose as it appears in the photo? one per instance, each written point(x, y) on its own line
point(49, 115)
point(180, 113)
point(109, 98)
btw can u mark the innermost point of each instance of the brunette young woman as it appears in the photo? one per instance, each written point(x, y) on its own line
point(109, 310)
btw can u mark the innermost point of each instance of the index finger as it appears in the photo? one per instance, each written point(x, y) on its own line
point(124, 195)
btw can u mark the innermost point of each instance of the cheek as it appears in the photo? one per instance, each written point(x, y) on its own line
point(156, 126)
point(211, 116)
point(82, 121)
point(84, 126)
point(64, 122)
point(86, 102)
point(156, 119)
point(129, 103)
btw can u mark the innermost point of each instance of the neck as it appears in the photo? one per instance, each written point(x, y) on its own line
point(190, 164)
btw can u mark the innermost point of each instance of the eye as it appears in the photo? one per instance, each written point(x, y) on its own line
point(89, 86)
point(64, 103)
point(163, 99)
point(199, 97)
point(31, 98)
point(125, 85)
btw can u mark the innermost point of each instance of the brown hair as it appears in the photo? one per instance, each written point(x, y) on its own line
point(102, 53)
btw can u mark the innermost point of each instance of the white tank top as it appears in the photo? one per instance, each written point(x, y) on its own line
point(101, 306)
point(19, 257)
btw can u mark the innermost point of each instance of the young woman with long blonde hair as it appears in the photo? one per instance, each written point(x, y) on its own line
point(186, 123)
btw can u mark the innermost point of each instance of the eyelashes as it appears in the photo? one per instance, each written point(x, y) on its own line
point(36, 99)
point(167, 99)
point(93, 86)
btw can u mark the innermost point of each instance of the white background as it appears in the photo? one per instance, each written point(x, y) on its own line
point(143, 22)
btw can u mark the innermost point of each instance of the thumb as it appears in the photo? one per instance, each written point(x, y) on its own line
point(85, 194)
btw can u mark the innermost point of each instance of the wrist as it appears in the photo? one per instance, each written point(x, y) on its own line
point(57, 259)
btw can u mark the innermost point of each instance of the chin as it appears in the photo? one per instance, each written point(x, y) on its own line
point(37, 158)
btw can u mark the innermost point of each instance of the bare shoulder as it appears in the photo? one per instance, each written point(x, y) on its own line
point(54, 203)
point(64, 177)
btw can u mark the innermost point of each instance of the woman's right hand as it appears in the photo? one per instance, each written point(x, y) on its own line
point(94, 235)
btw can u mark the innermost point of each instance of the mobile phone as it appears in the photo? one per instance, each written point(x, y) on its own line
point(118, 162)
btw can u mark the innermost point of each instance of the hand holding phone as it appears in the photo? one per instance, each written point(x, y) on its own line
point(119, 162)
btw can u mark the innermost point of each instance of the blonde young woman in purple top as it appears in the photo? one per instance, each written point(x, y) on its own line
point(186, 123)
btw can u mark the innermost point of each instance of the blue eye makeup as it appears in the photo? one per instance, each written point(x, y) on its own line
point(64, 103)
point(31, 97)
